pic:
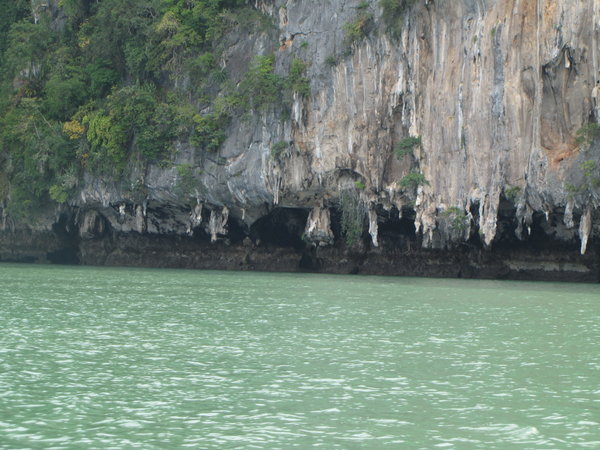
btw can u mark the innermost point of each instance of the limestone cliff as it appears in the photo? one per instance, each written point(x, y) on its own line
point(500, 93)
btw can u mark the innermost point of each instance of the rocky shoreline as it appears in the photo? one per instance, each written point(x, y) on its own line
point(276, 243)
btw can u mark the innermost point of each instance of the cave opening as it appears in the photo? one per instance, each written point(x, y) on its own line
point(199, 233)
point(397, 230)
point(474, 235)
point(541, 234)
point(282, 227)
point(506, 224)
point(350, 209)
point(66, 231)
point(236, 231)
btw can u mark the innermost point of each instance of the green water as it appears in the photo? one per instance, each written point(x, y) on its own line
point(125, 358)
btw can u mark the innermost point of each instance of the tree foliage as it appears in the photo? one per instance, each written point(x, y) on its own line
point(297, 80)
point(261, 87)
point(357, 29)
point(413, 180)
point(586, 134)
point(87, 91)
point(406, 146)
point(99, 85)
point(353, 216)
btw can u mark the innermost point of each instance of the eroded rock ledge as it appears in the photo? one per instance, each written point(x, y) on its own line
point(301, 240)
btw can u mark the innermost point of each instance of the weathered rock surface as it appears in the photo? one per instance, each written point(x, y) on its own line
point(496, 89)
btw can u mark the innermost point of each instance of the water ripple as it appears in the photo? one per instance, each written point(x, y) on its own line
point(115, 358)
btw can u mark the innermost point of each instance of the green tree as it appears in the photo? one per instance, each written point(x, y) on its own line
point(102, 77)
point(88, 88)
point(261, 87)
point(297, 80)
point(120, 32)
point(586, 134)
point(66, 87)
point(413, 180)
point(12, 11)
point(25, 56)
point(36, 154)
point(353, 216)
point(406, 146)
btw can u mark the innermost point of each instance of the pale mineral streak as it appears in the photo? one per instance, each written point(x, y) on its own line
point(217, 224)
point(585, 227)
point(318, 227)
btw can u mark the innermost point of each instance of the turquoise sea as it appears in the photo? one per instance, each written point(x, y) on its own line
point(138, 358)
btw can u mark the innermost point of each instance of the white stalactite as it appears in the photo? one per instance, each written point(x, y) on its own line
point(373, 227)
point(585, 228)
point(217, 223)
point(318, 227)
point(195, 218)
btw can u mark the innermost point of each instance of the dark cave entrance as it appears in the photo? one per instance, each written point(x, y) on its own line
point(541, 235)
point(236, 231)
point(67, 233)
point(395, 231)
point(282, 227)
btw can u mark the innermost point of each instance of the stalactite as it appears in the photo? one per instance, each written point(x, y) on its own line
point(217, 224)
point(318, 227)
point(373, 227)
point(585, 228)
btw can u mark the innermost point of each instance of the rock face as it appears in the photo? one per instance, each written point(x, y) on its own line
point(497, 91)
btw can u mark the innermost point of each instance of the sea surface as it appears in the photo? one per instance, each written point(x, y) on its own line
point(140, 358)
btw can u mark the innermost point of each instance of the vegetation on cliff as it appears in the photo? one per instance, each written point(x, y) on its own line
point(106, 86)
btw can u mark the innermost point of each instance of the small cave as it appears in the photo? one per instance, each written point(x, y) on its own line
point(159, 212)
point(199, 233)
point(396, 231)
point(65, 227)
point(541, 234)
point(506, 223)
point(163, 218)
point(336, 214)
point(475, 238)
point(393, 231)
point(236, 231)
point(66, 231)
point(282, 227)
point(544, 234)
